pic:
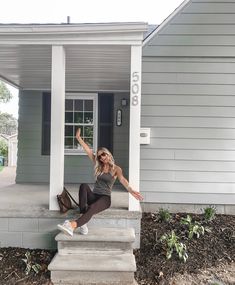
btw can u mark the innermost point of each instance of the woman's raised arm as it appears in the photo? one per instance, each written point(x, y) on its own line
point(84, 145)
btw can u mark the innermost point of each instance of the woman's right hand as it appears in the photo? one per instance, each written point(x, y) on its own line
point(78, 134)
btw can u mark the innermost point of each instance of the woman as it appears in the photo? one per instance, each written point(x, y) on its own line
point(93, 202)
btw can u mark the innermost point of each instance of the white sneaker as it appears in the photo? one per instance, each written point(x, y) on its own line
point(83, 229)
point(66, 228)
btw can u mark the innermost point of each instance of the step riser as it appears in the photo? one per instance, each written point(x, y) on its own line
point(67, 247)
point(89, 277)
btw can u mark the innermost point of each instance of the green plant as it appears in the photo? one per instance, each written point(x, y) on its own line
point(3, 148)
point(172, 244)
point(164, 215)
point(30, 265)
point(194, 228)
point(209, 213)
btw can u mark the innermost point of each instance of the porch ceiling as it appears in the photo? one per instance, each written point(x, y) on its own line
point(88, 67)
point(97, 56)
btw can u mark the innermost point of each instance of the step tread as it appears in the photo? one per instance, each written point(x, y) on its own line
point(101, 234)
point(94, 262)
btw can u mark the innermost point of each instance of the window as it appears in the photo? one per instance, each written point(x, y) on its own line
point(80, 112)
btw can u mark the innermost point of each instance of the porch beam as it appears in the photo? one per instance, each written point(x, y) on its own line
point(57, 124)
point(134, 133)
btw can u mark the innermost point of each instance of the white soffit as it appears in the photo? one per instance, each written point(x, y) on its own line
point(97, 55)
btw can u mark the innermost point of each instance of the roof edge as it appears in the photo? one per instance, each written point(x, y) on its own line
point(166, 21)
point(74, 28)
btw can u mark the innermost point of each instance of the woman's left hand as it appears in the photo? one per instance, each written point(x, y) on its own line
point(136, 194)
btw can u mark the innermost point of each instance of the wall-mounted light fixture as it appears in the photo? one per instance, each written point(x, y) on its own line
point(124, 102)
point(119, 117)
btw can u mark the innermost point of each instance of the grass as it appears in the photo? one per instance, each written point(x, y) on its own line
point(1, 167)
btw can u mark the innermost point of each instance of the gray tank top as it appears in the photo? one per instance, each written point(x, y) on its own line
point(104, 184)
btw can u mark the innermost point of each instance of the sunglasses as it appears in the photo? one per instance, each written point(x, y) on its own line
point(103, 154)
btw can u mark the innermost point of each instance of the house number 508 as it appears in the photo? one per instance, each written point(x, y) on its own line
point(135, 88)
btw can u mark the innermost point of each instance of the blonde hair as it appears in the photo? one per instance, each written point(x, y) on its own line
point(99, 165)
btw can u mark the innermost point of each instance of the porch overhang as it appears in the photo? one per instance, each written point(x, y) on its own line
point(97, 55)
point(63, 58)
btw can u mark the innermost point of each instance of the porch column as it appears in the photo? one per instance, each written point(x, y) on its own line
point(134, 133)
point(57, 124)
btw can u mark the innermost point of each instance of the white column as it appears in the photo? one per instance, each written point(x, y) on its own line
point(134, 135)
point(57, 124)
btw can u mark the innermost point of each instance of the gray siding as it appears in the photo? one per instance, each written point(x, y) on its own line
point(200, 28)
point(121, 134)
point(31, 166)
point(188, 101)
point(34, 167)
point(189, 104)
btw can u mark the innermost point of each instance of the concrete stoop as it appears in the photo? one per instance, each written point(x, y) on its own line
point(103, 257)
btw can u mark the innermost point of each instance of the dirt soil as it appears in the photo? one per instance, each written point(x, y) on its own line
point(211, 258)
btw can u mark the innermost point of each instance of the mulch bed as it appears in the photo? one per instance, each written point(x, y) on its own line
point(214, 249)
point(211, 253)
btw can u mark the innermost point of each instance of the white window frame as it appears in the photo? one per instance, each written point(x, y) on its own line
point(85, 96)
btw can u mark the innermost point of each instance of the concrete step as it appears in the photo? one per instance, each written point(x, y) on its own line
point(94, 268)
point(106, 240)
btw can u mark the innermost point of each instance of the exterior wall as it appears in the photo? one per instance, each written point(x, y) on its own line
point(36, 232)
point(189, 105)
point(34, 167)
point(31, 165)
point(188, 101)
point(121, 134)
point(200, 28)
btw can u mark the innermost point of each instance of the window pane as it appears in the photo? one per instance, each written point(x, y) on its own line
point(68, 143)
point(68, 117)
point(78, 118)
point(88, 132)
point(68, 105)
point(78, 105)
point(69, 131)
point(76, 144)
point(89, 142)
point(88, 118)
point(88, 105)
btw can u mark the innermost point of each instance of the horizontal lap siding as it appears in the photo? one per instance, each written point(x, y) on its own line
point(121, 134)
point(32, 167)
point(188, 101)
point(200, 28)
point(190, 107)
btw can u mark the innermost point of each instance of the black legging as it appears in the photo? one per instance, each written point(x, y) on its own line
point(90, 204)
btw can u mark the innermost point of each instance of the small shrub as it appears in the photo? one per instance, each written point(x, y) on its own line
point(194, 228)
point(165, 215)
point(209, 213)
point(30, 265)
point(172, 244)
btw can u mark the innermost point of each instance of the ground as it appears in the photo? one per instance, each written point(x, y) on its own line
point(211, 257)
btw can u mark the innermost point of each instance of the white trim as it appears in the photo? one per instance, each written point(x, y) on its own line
point(134, 133)
point(85, 96)
point(57, 124)
point(166, 21)
point(95, 34)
